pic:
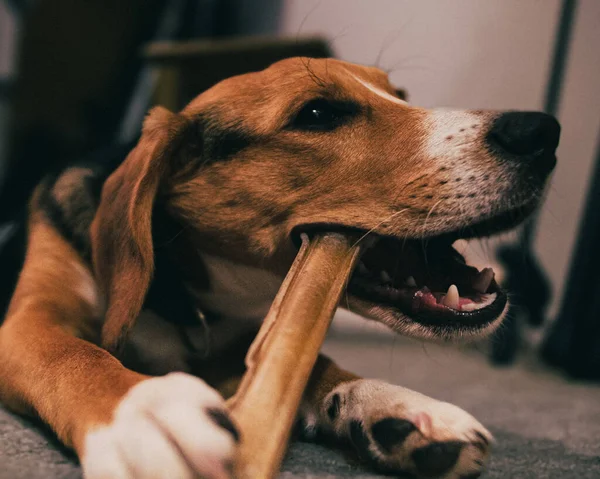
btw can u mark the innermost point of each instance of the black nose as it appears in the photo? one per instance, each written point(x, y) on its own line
point(530, 135)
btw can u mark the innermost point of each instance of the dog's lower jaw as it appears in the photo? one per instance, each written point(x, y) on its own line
point(404, 325)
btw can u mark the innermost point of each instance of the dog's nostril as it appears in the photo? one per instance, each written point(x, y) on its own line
point(525, 133)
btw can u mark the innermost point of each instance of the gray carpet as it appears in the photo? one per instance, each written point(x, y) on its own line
point(545, 427)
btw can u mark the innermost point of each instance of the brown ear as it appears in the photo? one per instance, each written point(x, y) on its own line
point(122, 250)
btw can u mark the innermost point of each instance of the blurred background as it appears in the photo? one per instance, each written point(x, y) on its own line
point(78, 76)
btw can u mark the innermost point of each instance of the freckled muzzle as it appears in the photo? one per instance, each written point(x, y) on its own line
point(485, 173)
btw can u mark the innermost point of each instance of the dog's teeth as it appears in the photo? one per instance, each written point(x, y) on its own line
point(362, 269)
point(451, 298)
point(482, 281)
point(410, 281)
point(385, 277)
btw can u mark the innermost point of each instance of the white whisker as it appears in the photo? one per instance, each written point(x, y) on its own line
point(378, 225)
point(424, 243)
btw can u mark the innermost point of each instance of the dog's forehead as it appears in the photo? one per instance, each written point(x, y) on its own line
point(326, 68)
point(264, 99)
point(308, 73)
point(297, 75)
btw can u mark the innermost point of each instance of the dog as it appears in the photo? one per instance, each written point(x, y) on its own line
point(169, 258)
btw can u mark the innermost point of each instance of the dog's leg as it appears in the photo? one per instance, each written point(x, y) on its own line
point(393, 428)
point(121, 424)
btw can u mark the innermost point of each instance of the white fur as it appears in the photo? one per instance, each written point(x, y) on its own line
point(443, 123)
point(161, 430)
point(370, 400)
point(379, 92)
point(366, 396)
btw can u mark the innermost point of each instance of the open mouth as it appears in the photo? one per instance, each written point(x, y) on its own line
point(425, 281)
point(428, 282)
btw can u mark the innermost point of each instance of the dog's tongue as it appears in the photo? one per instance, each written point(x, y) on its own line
point(424, 298)
point(451, 299)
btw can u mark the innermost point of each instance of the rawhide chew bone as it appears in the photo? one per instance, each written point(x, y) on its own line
point(284, 352)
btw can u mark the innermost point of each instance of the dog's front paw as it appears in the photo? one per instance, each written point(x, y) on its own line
point(174, 426)
point(399, 430)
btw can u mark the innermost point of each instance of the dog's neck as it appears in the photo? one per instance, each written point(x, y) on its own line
point(220, 287)
point(234, 290)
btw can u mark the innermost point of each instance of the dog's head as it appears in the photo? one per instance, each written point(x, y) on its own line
point(309, 144)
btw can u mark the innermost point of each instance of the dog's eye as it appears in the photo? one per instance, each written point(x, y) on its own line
point(321, 115)
point(401, 93)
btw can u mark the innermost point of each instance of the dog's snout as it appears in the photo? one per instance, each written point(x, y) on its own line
point(529, 136)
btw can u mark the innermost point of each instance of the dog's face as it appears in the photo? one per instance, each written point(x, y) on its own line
point(325, 143)
point(328, 144)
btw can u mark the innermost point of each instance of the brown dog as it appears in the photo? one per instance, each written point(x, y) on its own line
point(195, 229)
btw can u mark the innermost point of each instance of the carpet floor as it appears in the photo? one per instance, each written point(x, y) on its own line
point(544, 425)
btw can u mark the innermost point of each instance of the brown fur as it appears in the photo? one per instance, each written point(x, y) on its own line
point(49, 363)
point(238, 180)
point(122, 249)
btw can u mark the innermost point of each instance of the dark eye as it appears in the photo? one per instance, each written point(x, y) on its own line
point(322, 115)
point(401, 93)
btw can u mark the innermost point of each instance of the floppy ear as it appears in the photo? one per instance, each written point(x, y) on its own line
point(121, 233)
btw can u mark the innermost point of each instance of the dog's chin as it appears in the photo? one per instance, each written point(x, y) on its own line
point(460, 329)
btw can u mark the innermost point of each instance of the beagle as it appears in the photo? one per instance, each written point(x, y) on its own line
point(145, 280)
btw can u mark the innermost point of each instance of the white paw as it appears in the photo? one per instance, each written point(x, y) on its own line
point(174, 426)
point(399, 430)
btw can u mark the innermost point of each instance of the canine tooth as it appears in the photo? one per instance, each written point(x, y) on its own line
point(385, 277)
point(410, 281)
point(451, 298)
point(362, 269)
point(482, 281)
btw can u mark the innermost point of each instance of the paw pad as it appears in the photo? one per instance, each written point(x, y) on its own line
point(391, 432)
point(360, 439)
point(437, 458)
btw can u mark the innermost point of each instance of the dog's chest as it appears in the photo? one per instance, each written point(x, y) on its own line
point(232, 307)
